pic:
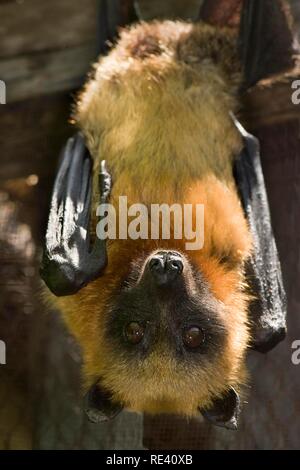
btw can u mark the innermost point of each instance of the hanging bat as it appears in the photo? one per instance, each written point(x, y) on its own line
point(164, 329)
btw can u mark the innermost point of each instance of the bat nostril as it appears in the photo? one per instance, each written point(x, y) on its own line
point(176, 265)
point(165, 267)
point(156, 264)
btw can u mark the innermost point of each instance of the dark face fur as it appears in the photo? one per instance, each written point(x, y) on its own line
point(166, 302)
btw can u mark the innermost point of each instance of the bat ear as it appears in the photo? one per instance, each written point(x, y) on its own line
point(265, 40)
point(224, 410)
point(263, 272)
point(99, 406)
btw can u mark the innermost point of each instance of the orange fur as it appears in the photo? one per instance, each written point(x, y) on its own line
point(157, 110)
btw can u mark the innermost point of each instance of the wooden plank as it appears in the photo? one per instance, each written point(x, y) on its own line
point(34, 132)
point(150, 9)
point(270, 102)
point(46, 72)
point(46, 46)
point(33, 26)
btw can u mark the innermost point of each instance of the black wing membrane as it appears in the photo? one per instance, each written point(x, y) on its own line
point(268, 310)
point(99, 406)
point(224, 411)
point(113, 14)
point(265, 40)
point(69, 262)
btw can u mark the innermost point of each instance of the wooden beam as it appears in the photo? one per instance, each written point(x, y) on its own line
point(43, 73)
point(270, 101)
point(46, 46)
point(151, 9)
point(34, 132)
point(33, 26)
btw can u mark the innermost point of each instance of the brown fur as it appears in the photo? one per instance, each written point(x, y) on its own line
point(157, 110)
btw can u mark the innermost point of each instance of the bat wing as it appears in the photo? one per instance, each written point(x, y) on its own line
point(268, 310)
point(113, 14)
point(99, 406)
point(69, 262)
point(265, 37)
point(265, 40)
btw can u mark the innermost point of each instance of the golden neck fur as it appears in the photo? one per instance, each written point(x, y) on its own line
point(159, 104)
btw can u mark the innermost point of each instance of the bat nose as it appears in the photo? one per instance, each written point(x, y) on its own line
point(165, 267)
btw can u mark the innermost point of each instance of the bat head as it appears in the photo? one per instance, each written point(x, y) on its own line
point(165, 340)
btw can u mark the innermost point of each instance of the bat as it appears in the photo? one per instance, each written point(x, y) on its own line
point(164, 329)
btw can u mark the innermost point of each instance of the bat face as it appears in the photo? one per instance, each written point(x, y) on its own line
point(167, 322)
point(156, 335)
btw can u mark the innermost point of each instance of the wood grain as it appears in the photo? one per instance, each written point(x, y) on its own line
point(34, 26)
point(270, 102)
point(150, 9)
point(44, 73)
point(46, 46)
point(34, 131)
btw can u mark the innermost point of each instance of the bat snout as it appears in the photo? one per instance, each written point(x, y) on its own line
point(165, 267)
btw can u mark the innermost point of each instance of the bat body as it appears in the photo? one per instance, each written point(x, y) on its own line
point(163, 328)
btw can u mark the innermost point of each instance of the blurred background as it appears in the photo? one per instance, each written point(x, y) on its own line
point(46, 50)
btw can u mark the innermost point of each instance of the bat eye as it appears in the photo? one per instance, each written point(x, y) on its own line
point(193, 337)
point(134, 332)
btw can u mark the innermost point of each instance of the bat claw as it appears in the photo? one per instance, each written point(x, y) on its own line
point(104, 182)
